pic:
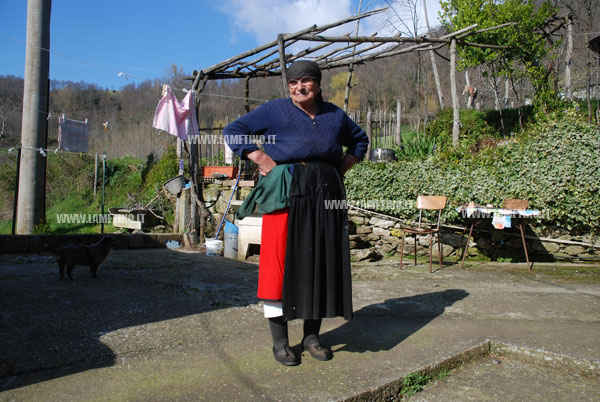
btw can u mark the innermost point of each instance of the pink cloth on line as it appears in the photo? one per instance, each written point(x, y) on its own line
point(174, 117)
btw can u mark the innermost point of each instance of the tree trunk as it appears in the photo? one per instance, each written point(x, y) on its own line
point(455, 104)
point(398, 122)
point(433, 62)
point(369, 134)
point(506, 93)
point(348, 87)
point(568, 93)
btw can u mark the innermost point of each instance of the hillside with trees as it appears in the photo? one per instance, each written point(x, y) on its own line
point(545, 62)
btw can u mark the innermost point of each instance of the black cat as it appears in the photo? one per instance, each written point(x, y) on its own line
point(80, 254)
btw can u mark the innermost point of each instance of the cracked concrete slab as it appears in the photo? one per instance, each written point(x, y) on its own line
point(172, 325)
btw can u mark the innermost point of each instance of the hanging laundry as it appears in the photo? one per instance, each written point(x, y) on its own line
point(73, 134)
point(501, 221)
point(228, 154)
point(174, 117)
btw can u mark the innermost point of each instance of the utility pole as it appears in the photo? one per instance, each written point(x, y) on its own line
point(32, 175)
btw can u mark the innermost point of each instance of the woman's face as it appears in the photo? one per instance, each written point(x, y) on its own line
point(303, 91)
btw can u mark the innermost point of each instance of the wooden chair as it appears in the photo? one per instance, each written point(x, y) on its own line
point(432, 203)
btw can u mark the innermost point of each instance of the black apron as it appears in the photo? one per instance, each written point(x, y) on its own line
point(317, 280)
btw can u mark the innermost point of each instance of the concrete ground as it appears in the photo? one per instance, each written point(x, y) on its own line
point(166, 325)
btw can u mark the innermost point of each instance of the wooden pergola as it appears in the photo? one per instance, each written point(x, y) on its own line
point(270, 59)
point(329, 52)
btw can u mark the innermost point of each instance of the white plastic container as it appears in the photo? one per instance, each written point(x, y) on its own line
point(230, 240)
point(214, 247)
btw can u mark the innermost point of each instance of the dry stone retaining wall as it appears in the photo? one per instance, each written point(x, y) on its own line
point(373, 237)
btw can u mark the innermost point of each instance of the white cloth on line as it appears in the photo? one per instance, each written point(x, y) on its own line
point(228, 154)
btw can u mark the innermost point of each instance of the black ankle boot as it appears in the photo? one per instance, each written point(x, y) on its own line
point(281, 348)
point(317, 349)
point(284, 355)
point(311, 342)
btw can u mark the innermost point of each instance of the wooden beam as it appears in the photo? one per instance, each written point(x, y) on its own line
point(287, 37)
point(282, 66)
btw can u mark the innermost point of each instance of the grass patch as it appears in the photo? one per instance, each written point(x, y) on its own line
point(416, 382)
point(413, 383)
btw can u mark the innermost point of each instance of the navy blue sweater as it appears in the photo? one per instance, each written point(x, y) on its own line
point(290, 135)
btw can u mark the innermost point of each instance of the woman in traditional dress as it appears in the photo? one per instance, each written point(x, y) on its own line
point(304, 265)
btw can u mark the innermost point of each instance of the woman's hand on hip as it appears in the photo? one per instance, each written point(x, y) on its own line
point(264, 161)
point(347, 163)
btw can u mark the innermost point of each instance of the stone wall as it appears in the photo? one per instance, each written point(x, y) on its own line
point(216, 196)
point(373, 237)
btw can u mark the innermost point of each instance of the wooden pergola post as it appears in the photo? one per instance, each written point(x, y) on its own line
point(455, 104)
point(282, 66)
point(247, 95)
point(369, 133)
point(398, 122)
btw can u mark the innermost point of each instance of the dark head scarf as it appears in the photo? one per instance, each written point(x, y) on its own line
point(304, 68)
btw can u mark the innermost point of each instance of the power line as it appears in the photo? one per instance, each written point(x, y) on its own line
point(119, 73)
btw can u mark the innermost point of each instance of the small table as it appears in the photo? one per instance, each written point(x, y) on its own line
point(501, 218)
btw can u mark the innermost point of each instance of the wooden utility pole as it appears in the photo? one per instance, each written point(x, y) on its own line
point(32, 175)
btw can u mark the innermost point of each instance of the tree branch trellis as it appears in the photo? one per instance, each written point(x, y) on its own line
point(265, 60)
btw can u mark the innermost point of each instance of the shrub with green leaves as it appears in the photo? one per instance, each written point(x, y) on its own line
point(477, 126)
point(419, 147)
point(554, 165)
point(166, 168)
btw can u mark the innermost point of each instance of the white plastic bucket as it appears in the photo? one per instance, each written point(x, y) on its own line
point(214, 247)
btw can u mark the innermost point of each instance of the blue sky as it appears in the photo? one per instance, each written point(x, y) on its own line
point(93, 41)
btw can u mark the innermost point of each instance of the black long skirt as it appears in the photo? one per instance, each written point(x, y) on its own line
point(317, 279)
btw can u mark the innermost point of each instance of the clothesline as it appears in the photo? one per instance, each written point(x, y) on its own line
point(127, 76)
point(49, 114)
point(46, 151)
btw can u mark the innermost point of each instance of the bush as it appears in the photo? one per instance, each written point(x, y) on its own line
point(477, 126)
point(166, 168)
point(419, 147)
point(554, 165)
point(69, 190)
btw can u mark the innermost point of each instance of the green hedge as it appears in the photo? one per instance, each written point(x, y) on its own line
point(554, 165)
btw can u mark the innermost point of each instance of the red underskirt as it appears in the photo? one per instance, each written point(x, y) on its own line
point(271, 264)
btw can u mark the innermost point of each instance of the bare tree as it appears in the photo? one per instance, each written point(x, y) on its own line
point(404, 18)
point(433, 61)
point(585, 16)
point(7, 110)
